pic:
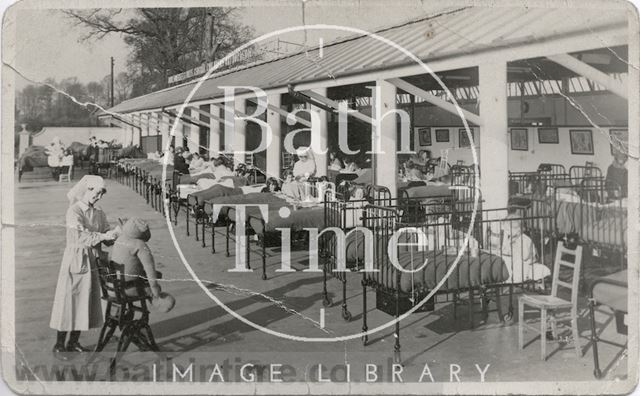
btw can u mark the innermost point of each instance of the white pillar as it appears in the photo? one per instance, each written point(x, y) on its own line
point(24, 140)
point(385, 161)
point(179, 134)
point(137, 131)
point(274, 150)
point(240, 132)
point(144, 121)
point(153, 122)
point(494, 164)
point(322, 160)
point(131, 130)
point(193, 139)
point(214, 131)
point(164, 131)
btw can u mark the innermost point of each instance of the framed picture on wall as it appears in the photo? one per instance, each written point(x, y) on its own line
point(581, 141)
point(442, 135)
point(520, 139)
point(463, 138)
point(619, 141)
point(424, 136)
point(548, 136)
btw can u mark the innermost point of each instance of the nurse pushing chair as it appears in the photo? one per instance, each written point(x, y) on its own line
point(77, 305)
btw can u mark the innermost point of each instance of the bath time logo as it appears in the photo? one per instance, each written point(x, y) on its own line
point(382, 110)
point(247, 370)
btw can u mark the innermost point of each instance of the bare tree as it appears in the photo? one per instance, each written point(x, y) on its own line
point(124, 86)
point(97, 93)
point(166, 41)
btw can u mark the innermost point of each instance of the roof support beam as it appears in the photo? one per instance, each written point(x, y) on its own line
point(187, 119)
point(591, 73)
point(612, 35)
point(143, 123)
point(327, 104)
point(212, 116)
point(434, 100)
point(284, 113)
point(124, 121)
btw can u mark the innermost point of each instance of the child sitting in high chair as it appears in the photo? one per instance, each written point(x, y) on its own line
point(132, 251)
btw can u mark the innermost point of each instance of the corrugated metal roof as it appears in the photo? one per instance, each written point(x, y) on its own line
point(445, 35)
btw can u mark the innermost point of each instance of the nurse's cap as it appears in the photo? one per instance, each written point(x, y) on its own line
point(80, 188)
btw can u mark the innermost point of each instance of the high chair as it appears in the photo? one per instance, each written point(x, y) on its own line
point(65, 176)
point(553, 302)
point(126, 310)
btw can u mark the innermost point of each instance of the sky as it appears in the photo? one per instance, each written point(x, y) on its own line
point(48, 44)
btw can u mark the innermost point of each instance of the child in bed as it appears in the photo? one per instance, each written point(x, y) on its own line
point(290, 187)
point(413, 173)
point(516, 249)
point(272, 185)
point(323, 185)
point(220, 170)
point(198, 165)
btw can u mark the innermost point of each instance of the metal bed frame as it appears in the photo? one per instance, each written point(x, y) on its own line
point(383, 221)
point(205, 213)
point(593, 201)
point(343, 213)
point(622, 328)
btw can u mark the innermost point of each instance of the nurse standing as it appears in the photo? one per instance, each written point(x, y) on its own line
point(76, 305)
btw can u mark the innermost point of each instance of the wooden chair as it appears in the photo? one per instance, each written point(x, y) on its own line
point(66, 176)
point(553, 302)
point(126, 310)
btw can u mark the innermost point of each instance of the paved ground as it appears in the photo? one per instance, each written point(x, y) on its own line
point(291, 303)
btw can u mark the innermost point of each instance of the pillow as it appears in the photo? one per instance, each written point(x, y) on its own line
point(236, 181)
point(227, 183)
point(206, 183)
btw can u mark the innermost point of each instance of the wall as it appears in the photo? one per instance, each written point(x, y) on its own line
point(455, 152)
point(69, 135)
point(601, 109)
point(520, 161)
point(524, 161)
point(605, 110)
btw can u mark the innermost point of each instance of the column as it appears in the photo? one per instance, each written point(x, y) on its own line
point(130, 131)
point(322, 159)
point(239, 133)
point(153, 129)
point(164, 131)
point(385, 127)
point(214, 131)
point(23, 140)
point(274, 150)
point(493, 136)
point(137, 131)
point(193, 140)
point(179, 131)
